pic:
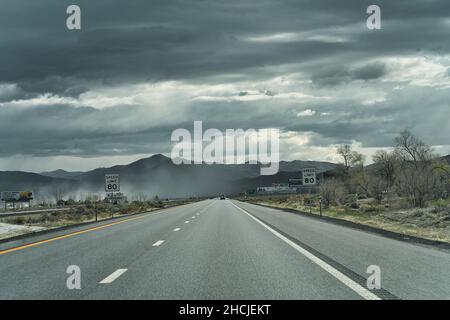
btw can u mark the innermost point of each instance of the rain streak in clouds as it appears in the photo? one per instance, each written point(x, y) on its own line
point(114, 91)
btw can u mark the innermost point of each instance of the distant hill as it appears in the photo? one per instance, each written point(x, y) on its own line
point(266, 181)
point(42, 186)
point(158, 175)
point(446, 158)
point(61, 174)
point(298, 165)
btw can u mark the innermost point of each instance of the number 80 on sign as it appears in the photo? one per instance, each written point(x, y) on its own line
point(309, 176)
point(112, 183)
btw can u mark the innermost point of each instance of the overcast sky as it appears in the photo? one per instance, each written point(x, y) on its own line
point(115, 90)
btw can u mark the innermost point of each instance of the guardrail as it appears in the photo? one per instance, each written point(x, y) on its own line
point(5, 214)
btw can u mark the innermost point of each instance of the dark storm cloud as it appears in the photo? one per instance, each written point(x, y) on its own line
point(369, 72)
point(331, 75)
point(124, 130)
point(337, 74)
point(160, 40)
point(83, 131)
point(203, 42)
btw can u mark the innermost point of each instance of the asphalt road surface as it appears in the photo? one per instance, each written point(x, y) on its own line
point(220, 249)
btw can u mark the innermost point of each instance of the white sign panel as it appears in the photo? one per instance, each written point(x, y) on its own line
point(309, 176)
point(112, 183)
point(18, 196)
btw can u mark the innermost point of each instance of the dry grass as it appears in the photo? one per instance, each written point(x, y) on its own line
point(81, 213)
point(431, 223)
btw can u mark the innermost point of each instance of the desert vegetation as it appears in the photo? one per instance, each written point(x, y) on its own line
point(405, 189)
point(411, 171)
point(87, 211)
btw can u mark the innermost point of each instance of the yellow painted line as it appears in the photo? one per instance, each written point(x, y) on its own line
point(33, 244)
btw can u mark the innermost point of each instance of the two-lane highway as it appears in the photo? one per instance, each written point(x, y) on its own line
point(219, 249)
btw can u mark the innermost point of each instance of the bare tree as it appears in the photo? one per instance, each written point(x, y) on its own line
point(58, 192)
point(416, 179)
point(345, 151)
point(142, 197)
point(360, 180)
point(442, 168)
point(377, 188)
point(351, 158)
point(385, 165)
point(352, 172)
point(413, 150)
point(332, 191)
point(418, 185)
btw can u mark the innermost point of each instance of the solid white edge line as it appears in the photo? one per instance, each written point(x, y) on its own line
point(363, 292)
point(113, 276)
point(158, 243)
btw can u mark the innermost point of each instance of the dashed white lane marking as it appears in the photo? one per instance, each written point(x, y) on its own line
point(158, 243)
point(193, 217)
point(186, 222)
point(113, 276)
point(363, 292)
point(176, 229)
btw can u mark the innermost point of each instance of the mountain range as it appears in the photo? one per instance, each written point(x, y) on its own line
point(156, 175)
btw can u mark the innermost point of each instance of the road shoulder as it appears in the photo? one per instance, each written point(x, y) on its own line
point(363, 227)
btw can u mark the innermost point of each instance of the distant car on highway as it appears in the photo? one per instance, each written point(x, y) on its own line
point(222, 197)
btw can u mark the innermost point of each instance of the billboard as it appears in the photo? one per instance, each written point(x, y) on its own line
point(17, 196)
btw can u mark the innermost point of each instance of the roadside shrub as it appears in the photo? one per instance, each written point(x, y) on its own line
point(40, 218)
point(332, 192)
point(352, 201)
point(157, 204)
point(56, 214)
point(441, 206)
point(369, 208)
point(353, 205)
point(18, 220)
point(80, 210)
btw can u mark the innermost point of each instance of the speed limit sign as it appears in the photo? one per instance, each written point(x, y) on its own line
point(112, 183)
point(309, 176)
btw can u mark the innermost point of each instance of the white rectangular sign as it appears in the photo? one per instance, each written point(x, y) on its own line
point(309, 176)
point(112, 183)
point(17, 196)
